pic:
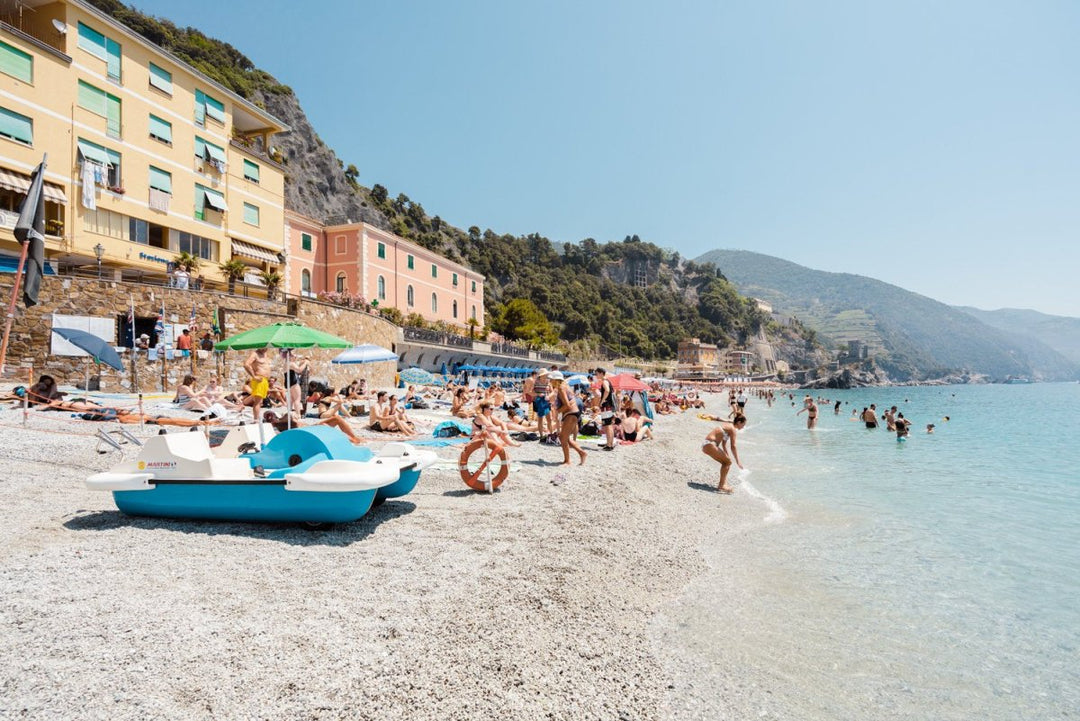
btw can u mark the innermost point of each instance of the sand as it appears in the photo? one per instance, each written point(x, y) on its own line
point(541, 601)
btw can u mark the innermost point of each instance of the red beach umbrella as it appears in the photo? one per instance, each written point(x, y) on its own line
point(626, 382)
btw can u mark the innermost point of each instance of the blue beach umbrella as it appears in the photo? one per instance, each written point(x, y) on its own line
point(578, 380)
point(366, 353)
point(418, 376)
point(100, 349)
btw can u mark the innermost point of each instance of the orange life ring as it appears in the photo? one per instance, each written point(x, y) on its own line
point(477, 480)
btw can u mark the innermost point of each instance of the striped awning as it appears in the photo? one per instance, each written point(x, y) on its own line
point(239, 247)
point(21, 183)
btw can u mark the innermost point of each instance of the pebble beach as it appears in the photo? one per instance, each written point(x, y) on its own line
point(551, 598)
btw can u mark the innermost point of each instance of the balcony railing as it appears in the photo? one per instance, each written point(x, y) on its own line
point(504, 348)
point(437, 337)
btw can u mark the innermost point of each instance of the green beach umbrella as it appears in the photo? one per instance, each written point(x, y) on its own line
point(282, 335)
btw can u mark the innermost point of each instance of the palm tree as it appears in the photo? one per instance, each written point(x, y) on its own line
point(233, 270)
point(271, 279)
point(472, 323)
point(188, 261)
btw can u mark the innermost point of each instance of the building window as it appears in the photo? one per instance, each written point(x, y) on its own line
point(107, 163)
point(99, 102)
point(455, 280)
point(382, 250)
point(410, 297)
point(305, 241)
point(196, 245)
point(340, 286)
point(474, 286)
point(16, 63)
point(411, 261)
point(339, 245)
point(206, 201)
point(160, 180)
point(305, 281)
point(251, 171)
point(434, 303)
point(212, 154)
point(382, 288)
point(160, 129)
point(474, 312)
point(251, 214)
point(208, 107)
point(453, 309)
point(434, 271)
point(102, 48)
point(16, 127)
point(160, 79)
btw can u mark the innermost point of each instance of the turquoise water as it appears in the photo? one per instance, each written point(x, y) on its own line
point(937, 578)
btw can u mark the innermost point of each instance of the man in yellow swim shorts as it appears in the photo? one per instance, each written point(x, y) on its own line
point(257, 366)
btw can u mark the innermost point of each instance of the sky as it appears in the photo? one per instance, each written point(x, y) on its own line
point(932, 145)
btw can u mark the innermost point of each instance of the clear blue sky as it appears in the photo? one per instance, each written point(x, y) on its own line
point(933, 145)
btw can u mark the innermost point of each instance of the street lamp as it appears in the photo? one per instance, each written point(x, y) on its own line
point(99, 250)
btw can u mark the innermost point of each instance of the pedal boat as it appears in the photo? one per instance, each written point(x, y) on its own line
point(309, 475)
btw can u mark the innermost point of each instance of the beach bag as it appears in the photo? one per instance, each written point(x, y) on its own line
point(550, 440)
point(525, 436)
point(590, 429)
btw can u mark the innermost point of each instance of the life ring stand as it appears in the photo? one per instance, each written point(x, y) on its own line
point(478, 480)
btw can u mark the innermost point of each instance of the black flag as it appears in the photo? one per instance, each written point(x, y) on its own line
point(31, 229)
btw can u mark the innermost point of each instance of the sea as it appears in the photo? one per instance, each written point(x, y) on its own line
point(935, 578)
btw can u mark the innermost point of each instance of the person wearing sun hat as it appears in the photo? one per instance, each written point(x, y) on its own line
point(567, 409)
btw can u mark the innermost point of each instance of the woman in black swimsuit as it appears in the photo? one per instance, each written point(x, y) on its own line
point(567, 407)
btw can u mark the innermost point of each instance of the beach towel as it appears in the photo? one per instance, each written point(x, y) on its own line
point(450, 429)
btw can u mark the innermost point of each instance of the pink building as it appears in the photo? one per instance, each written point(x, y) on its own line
point(361, 259)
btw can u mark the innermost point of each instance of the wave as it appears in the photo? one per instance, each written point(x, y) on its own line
point(776, 512)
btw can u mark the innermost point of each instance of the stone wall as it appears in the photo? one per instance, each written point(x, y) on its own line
point(28, 349)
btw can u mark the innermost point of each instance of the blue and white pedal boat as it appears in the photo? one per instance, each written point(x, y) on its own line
point(310, 475)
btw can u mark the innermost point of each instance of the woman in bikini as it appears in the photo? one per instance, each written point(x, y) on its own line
point(188, 398)
point(718, 443)
point(567, 408)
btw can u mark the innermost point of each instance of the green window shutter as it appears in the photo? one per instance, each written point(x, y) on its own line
point(160, 129)
point(161, 180)
point(17, 127)
point(92, 41)
point(112, 52)
point(305, 241)
point(382, 250)
point(251, 171)
point(411, 261)
point(160, 79)
point(215, 109)
point(200, 107)
point(16, 63)
point(455, 278)
point(93, 99)
point(434, 272)
point(200, 148)
point(94, 152)
point(113, 115)
point(251, 214)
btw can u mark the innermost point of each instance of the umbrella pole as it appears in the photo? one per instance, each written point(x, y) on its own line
point(288, 388)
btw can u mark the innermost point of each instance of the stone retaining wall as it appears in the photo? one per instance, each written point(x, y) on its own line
point(30, 341)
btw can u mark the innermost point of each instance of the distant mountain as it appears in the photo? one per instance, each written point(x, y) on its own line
point(913, 337)
point(1061, 333)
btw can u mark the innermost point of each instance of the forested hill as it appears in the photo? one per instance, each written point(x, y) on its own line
point(914, 337)
point(630, 296)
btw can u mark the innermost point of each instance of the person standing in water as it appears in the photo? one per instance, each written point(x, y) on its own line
point(811, 410)
point(869, 416)
point(720, 446)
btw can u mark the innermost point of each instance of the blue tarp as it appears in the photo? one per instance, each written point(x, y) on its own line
point(10, 264)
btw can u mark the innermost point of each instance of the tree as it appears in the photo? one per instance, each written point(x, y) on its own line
point(472, 323)
point(188, 262)
point(521, 319)
point(271, 279)
point(379, 194)
point(233, 270)
point(351, 173)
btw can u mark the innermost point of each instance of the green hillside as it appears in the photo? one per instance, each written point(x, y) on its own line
point(1060, 333)
point(912, 336)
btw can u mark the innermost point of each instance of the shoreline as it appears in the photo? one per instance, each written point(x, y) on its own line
point(539, 600)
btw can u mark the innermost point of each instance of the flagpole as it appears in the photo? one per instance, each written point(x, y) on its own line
point(15, 286)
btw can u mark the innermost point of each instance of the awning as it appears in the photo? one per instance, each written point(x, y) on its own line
point(21, 183)
point(239, 247)
point(10, 264)
point(216, 201)
point(212, 152)
point(93, 153)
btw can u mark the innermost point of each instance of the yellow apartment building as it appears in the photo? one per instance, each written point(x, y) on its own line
point(147, 157)
point(696, 358)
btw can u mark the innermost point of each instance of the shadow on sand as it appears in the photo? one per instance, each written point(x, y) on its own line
point(702, 487)
point(339, 534)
